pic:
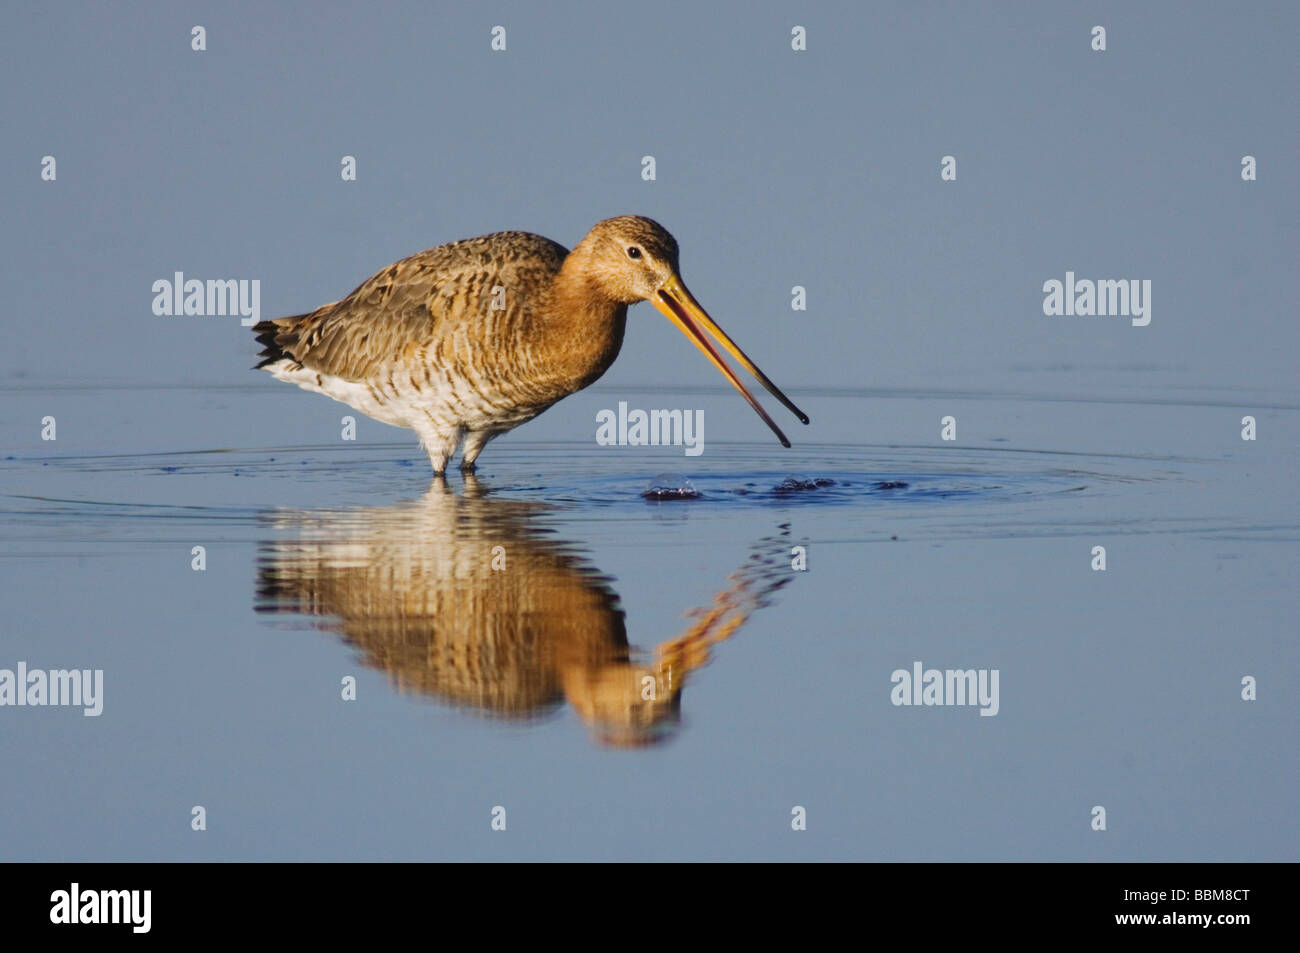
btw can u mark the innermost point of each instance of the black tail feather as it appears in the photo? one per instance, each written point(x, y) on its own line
point(277, 337)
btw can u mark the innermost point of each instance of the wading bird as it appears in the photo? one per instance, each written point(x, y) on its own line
point(468, 340)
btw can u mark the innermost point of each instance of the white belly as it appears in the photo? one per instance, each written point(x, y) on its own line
point(419, 403)
point(369, 400)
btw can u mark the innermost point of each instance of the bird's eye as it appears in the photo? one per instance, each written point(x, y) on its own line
point(634, 252)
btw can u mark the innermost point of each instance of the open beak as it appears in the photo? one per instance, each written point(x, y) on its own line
point(680, 307)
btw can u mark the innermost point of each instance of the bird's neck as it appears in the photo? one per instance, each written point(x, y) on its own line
point(584, 323)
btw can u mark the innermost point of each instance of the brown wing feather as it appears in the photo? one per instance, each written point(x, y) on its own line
point(408, 307)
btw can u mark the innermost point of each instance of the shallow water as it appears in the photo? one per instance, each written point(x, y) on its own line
point(654, 679)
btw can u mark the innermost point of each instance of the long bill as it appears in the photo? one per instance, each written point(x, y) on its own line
point(679, 306)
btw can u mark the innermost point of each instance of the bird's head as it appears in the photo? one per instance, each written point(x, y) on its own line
point(614, 702)
point(632, 258)
point(629, 257)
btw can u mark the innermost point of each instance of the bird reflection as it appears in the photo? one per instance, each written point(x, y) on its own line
point(470, 599)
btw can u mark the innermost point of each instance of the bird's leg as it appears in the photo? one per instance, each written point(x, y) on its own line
point(439, 444)
point(475, 441)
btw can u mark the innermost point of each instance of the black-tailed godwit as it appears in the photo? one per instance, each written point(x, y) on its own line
point(468, 340)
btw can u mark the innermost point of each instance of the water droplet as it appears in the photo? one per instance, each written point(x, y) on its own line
point(797, 484)
point(671, 486)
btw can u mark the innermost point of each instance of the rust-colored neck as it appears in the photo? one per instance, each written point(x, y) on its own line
point(584, 322)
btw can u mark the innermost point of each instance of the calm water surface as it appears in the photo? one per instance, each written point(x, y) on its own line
point(638, 679)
